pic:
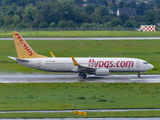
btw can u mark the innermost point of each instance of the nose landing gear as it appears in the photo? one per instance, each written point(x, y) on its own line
point(138, 75)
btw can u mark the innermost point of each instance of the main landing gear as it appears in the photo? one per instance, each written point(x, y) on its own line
point(138, 75)
point(82, 74)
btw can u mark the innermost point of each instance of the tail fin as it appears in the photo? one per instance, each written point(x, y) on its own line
point(23, 49)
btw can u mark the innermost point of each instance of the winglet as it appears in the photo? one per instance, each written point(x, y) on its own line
point(52, 55)
point(75, 62)
point(23, 49)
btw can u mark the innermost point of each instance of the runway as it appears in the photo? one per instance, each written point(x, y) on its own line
point(149, 118)
point(61, 111)
point(91, 38)
point(69, 78)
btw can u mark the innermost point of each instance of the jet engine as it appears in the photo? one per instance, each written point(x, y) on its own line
point(101, 72)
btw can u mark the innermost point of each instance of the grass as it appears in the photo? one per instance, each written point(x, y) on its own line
point(58, 96)
point(6, 34)
point(143, 49)
point(62, 96)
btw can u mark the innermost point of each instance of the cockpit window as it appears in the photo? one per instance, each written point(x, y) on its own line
point(145, 62)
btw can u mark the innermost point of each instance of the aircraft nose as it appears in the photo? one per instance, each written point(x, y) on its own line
point(151, 66)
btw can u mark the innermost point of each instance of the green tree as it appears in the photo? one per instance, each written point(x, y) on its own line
point(122, 4)
point(16, 19)
point(7, 20)
point(11, 9)
point(62, 24)
point(68, 11)
point(53, 11)
point(96, 16)
point(128, 23)
point(89, 9)
point(124, 17)
point(158, 15)
point(103, 11)
point(18, 2)
point(29, 13)
point(42, 13)
point(105, 2)
point(92, 1)
point(116, 21)
point(140, 19)
point(1, 20)
point(43, 24)
point(113, 5)
point(52, 24)
point(86, 25)
point(106, 18)
point(78, 2)
point(100, 2)
point(108, 24)
point(132, 4)
point(7, 2)
point(71, 23)
point(141, 9)
point(19, 11)
point(158, 1)
point(151, 17)
point(82, 17)
point(4, 10)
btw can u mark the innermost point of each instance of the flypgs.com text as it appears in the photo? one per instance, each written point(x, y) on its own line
point(110, 64)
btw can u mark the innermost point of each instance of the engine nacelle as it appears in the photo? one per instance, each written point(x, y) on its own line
point(101, 72)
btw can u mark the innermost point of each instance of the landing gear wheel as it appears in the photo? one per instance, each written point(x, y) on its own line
point(139, 75)
point(84, 75)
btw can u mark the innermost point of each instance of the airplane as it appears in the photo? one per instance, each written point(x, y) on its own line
point(99, 66)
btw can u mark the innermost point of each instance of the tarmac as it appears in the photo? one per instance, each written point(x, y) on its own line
point(70, 78)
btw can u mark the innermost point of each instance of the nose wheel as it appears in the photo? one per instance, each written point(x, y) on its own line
point(82, 74)
point(138, 75)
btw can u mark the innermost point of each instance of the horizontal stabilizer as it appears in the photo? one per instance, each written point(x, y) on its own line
point(22, 60)
point(13, 58)
point(18, 60)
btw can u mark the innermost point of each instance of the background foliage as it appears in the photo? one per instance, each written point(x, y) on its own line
point(76, 13)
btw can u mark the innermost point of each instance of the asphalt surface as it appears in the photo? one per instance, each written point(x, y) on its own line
point(58, 111)
point(69, 78)
point(151, 118)
point(92, 38)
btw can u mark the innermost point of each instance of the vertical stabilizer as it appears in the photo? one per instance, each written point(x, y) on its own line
point(23, 49)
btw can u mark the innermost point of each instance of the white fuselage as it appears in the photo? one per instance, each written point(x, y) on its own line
point(66, 64)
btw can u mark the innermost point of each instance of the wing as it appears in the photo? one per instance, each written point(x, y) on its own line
point(90, 70)
point(82, 68)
